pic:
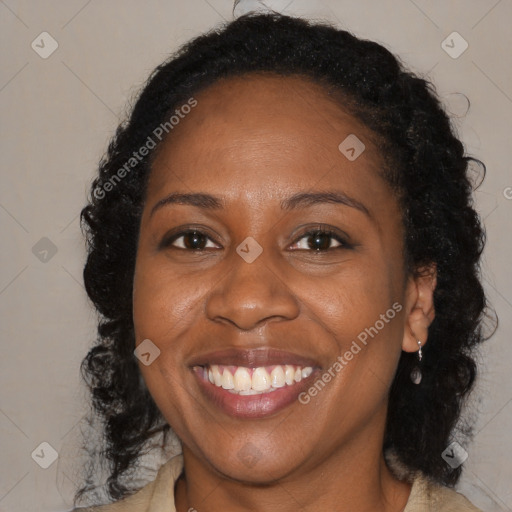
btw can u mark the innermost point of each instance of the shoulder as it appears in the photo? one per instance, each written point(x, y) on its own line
point(427, 495)
point(153, 496)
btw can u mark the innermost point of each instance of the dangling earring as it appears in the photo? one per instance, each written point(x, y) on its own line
point(416, 372)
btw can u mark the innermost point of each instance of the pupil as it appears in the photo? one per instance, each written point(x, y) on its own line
point(317, 237)
point(197, 239)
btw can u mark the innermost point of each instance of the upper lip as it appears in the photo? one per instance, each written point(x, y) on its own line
point(252, 358)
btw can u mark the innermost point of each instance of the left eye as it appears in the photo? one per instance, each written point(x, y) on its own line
point(193, 240)
point(320, 240)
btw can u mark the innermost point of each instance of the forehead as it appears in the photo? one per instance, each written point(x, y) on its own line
point(265, 127)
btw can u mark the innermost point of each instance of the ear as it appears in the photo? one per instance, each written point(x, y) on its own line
point(419, 307)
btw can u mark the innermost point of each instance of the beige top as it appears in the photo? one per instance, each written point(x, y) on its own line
point(158, 495)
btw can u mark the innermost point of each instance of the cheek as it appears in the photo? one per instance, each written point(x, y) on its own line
point(159, 315)
point(163, 304)
point(353, 298)
point(360, 312)
point(162, 313)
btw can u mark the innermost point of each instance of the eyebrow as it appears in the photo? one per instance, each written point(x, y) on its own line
point(297, 201)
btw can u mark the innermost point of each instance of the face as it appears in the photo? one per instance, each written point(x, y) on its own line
point(291, 256)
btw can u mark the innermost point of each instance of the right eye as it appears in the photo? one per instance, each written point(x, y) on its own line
point(191, 240)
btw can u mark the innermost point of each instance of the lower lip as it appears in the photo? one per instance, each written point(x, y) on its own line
point(252, 406)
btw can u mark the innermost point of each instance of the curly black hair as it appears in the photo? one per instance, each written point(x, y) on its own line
point(425, 165)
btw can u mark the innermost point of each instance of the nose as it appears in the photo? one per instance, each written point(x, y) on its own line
point(251, 294)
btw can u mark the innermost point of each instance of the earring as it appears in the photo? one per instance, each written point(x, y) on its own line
point(416, 372)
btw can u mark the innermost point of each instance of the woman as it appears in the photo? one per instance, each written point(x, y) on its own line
point(285, 258)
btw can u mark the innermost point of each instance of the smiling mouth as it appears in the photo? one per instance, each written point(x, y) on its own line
point(242, 380)
point(254, 383)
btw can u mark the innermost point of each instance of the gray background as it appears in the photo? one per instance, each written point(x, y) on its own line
point(57, 116)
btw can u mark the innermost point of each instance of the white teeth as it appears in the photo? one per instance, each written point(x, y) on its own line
point(250, 392)
point(227, 380)
point(242, 383)
point(260, 379)
point(306, 372)
point(217, 377)
point(242, 380)
point(289, 373)
point(277, 377)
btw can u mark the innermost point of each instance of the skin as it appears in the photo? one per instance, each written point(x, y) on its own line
point(253, 142)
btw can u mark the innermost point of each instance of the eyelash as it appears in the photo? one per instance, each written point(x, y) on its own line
point(316, 230)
